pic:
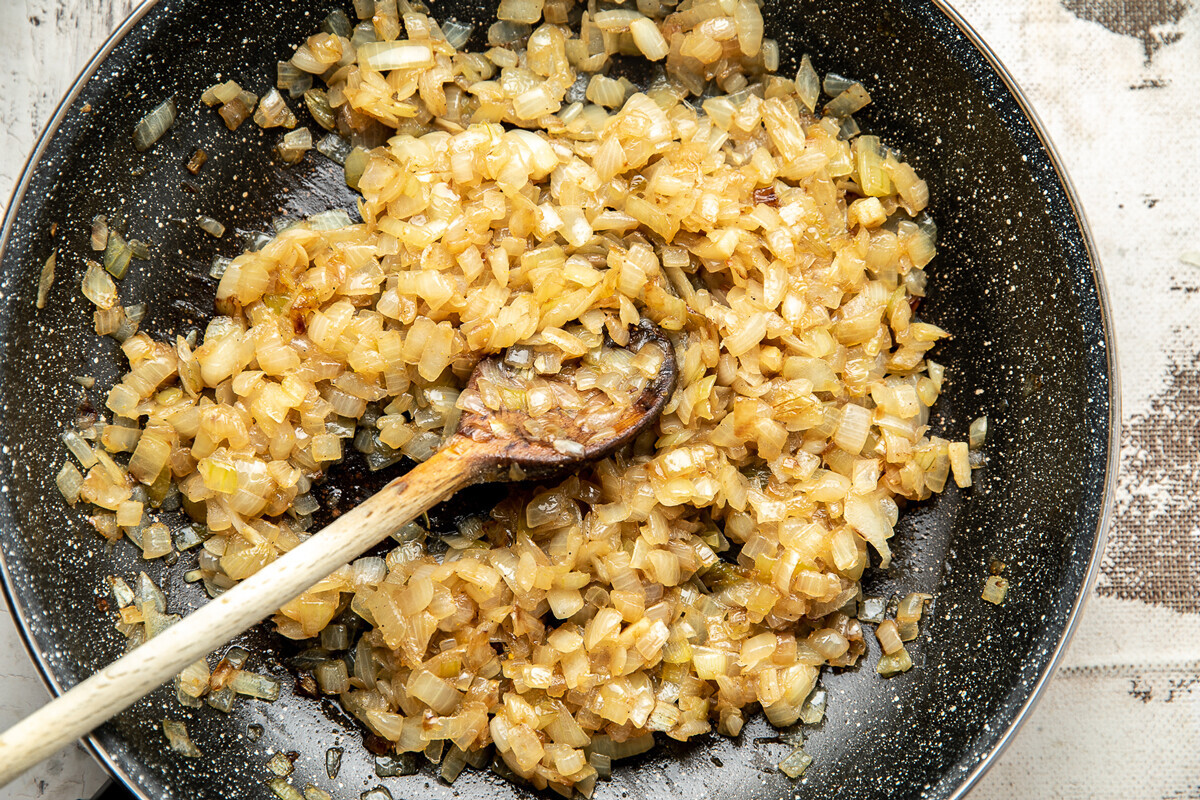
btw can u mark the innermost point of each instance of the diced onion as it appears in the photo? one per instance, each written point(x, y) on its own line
point(252, 685)
point(69, 481)
point(151, 127)
point(212, 227)
point(978, 432)
point(177, 736)
point(899, 661)
point(796, 763)
point(994, 589)
point(46, 279)
point(98, 286)
point(456, 33)
point(273, 112)
point(386, 56)
point(284, 790)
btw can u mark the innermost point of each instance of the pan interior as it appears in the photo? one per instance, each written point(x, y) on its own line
point(1013, 282)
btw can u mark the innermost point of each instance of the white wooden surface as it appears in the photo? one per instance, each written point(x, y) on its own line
point(1121, 719)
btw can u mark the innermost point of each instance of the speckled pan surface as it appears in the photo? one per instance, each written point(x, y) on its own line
point(1014, 281)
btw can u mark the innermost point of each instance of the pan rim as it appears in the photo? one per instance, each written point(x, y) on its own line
point(1100, 536)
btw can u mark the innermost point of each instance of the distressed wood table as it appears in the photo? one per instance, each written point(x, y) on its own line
point(1116, 83)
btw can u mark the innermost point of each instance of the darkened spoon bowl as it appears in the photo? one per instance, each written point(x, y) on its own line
point(1016, 281)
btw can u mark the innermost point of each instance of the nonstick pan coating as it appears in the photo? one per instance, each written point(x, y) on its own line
point(1014, 281)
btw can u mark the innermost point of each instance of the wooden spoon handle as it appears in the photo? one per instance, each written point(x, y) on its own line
point(124, 682)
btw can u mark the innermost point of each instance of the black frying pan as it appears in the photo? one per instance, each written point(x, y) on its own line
point(1015, 281)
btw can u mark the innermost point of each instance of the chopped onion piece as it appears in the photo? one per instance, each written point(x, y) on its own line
point(649, 39)
point(796, 763)
point(46, 279)
point(117, 255)
point(98, 286)
point(258, 686)
point(889, 637)
point(835, 84)
point(854, 99)
point(333, 762)
point(318, 106)
point(210, 226)
point(978, 432)
point(872, 609)
point(334, 147)
point(814, 709)
point(331, 220)
point(273, 112)
point(386, 56)
point(152, 126)
point(294, 145)
point(280, 764)
point(332, 676)
point(284, 790)
point(292, 79)
point(177, 737)
point(894, 663)
point(99, 232)
point(221, 93)
point(457, 33)
point(69, 481)
point(219, 265)
point(994, 589)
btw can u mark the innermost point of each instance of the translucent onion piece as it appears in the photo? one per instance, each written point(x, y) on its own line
point(98, 286)
point(273, 112)
point(284, 790)
point(456, 33)
point(318, 106)
point(386, 56)
point(897, 662)
point(835, 84)
point(978, 432)
point(331, 220)
point(212, 227)
point(333, 762)
point(294, 145)
point(872, 609)
point(69, 481)
point(177, 736)
point(994, 589)
point(117, 255)
point(252, 685)
point(280, 764)
point(99, 232)
point(854, 99)
point(796, 763)
point(152, 126)
point(292, 79)
point(46, 279)
point(334, 147)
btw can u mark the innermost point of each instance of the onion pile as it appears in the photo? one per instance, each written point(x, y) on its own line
point(530, 197)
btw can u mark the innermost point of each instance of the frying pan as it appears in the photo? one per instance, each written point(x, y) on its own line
point(1016, 281)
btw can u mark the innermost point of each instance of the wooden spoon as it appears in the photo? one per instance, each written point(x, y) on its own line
point(488, 445)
